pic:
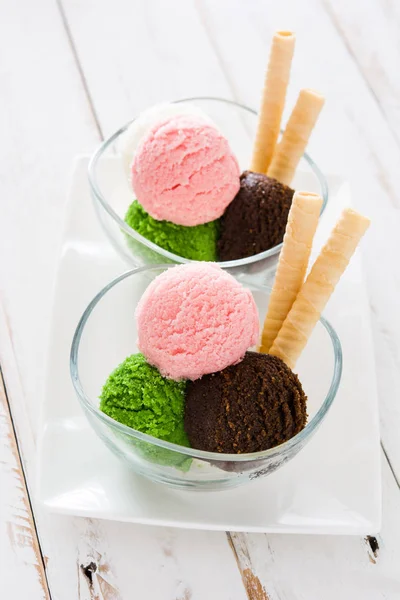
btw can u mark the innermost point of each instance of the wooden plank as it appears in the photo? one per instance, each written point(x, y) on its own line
point(22, 565)
point(141, 53)
point(44, 121)
point(372, 37)
point(313, 567)
point(157, 562)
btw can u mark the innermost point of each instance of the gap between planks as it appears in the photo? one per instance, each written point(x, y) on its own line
point(22, 535)
point(79, 67)
point(333, 11)
point(390, 465)
point(252, 584)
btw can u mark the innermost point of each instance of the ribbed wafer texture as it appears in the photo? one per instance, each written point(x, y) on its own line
point(318, 287)
point(293, 262)
point(296, 135)
point(273, 100)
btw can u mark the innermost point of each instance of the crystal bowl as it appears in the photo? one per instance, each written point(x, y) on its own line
point(112, 194)
point(106, 335)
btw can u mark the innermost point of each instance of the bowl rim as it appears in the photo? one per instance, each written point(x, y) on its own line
point(193, 452)
point(98, 196)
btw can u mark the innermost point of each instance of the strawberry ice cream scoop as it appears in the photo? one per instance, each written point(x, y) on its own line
point(184, 171)
point(195, 319)
point(144, 123)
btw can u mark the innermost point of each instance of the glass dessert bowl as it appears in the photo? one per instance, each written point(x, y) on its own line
point(112, 194)
point(106, 335)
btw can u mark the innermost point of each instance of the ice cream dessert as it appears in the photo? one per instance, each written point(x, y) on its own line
point(254, 405)
point(138, 396)
point(256, 218)
point(194, 243)
point(183, 174)
point(185, 177)
point(197, 380)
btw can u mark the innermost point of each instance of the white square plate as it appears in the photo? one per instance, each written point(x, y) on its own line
point(332, 486)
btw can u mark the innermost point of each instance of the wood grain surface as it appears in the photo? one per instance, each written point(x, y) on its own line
point(73, 71)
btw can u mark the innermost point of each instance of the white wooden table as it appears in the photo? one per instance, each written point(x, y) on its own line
point(71, 72)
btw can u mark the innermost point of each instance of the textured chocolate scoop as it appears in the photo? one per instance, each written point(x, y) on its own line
point(256, 218)
point(254, 405)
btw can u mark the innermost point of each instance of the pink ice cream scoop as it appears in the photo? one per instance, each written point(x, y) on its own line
point(195, 319)
point(184, 171)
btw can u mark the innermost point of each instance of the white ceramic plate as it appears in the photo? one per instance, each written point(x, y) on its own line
point(332, 486)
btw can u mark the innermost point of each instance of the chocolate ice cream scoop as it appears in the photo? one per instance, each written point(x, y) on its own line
point(256, 218)
point(254, 405)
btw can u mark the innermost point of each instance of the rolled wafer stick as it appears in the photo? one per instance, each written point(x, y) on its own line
point(296, 135)
point(293, 262)
point(273, 100)
point(318, 287)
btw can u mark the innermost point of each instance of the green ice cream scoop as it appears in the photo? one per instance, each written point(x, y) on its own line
point(194, 243)
point(137, 395)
